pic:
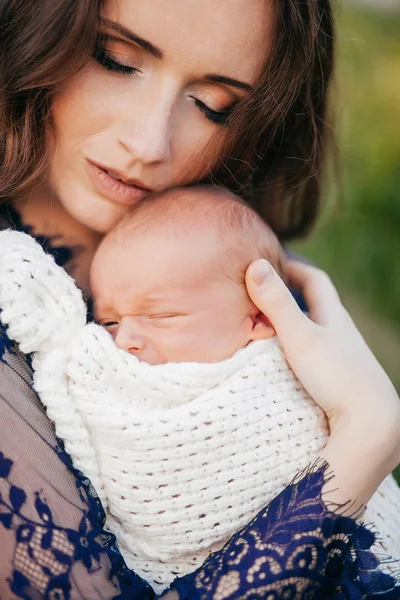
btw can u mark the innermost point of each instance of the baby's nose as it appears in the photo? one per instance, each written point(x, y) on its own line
point(133, 345)
point(129, 340)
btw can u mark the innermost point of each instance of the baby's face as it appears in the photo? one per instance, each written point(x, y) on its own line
point(163, 301)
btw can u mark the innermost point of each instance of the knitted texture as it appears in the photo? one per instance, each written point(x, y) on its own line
point(182, 455)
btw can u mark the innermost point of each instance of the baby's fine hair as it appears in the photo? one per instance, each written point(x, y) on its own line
point(206, 209)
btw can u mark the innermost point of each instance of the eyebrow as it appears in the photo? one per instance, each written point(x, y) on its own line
point(128, 34)
point(241, 85)
point(157, 53)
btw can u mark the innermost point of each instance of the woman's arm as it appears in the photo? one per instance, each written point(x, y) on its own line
point(334, 364)
point(52, 541)
point(303, 544)
point(295, 548)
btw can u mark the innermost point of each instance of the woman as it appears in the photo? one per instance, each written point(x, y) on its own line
point(103, 103)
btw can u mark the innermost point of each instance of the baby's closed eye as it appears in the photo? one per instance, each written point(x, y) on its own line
point(110, 325)
point(158, 319)
point(166, 320)
point(165, 316)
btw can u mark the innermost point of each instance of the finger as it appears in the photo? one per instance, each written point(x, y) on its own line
point(319, 293)
point(269, 293)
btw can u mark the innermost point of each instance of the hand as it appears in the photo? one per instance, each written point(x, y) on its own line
point(336, 367)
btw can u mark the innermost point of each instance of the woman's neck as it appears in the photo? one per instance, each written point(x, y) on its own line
point(48, 218)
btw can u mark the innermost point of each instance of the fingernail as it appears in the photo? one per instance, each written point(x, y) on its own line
point(261, 272)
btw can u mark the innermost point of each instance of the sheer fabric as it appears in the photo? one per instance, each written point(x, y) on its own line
point(51, 522)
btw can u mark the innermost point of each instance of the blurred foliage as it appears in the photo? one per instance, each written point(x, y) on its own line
point(357, 239)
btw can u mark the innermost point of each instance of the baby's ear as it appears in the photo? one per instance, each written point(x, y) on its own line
point(262, 328)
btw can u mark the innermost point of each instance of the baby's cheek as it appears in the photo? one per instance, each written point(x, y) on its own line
point(235, 335)
point(222, 341)
point(169, 344)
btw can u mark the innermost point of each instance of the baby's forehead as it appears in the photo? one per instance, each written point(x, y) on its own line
point(173, 281)
point(210, 208)
point(196, 229)
point(173, 275)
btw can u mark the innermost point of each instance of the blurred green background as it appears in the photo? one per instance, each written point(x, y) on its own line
point(357, 239)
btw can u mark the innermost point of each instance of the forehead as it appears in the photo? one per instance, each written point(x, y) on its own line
point(156, 266)
point(228, 36)
point(158, 254)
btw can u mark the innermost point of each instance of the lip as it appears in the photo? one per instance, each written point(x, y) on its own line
point(126, 192)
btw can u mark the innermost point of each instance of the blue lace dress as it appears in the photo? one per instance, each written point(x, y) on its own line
point(53, 544)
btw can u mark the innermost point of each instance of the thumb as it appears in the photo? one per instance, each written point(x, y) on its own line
point(271, 296)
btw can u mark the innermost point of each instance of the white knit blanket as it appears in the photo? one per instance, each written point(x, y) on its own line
point(182, 455)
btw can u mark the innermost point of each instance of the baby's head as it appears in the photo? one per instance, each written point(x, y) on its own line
point(168, 282)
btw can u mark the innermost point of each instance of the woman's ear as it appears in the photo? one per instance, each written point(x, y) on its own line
point(262, 328)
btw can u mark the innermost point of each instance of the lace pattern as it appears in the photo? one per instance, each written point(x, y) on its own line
point(45, 553)
point(294, 549)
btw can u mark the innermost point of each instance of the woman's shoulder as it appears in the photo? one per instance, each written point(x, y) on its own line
point(10, 218)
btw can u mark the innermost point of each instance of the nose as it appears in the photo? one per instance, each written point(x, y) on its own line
point(146, 132)
point(128, 337)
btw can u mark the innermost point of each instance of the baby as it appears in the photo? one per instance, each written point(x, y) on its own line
point(168, 282)
point(192, 420)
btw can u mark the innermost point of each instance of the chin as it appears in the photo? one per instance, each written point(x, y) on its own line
point(95, 213)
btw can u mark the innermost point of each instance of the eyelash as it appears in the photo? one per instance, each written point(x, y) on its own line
point(109, 323)
point(166, 316)
point(105, 60)
point(220, 118)
point(110, 64)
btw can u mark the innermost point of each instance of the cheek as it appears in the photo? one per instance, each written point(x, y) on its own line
point(83, 110)
point(196, 155)
point(231, 323)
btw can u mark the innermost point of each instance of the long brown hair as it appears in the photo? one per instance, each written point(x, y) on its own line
point(279, 136)
point(282, 134)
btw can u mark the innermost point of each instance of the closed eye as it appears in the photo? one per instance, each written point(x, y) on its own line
point(108, 323)
point(106, 61)
point(218, 117)
point(165, 316)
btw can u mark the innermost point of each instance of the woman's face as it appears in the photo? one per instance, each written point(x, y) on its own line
point(148, 111)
